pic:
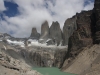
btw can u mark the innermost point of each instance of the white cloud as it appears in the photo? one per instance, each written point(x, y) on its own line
point(34, 12)
point(2, 7)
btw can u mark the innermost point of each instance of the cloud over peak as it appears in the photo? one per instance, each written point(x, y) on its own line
point(32, 13)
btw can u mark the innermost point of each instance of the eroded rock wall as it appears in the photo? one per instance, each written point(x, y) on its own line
point(69, 27)
point(46, 57)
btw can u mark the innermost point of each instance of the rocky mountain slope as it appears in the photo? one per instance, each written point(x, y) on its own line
point(81, 34)
point(11, 62)
point(83, 47)
point(45, 57)
point(85, 63)
point(20, 58)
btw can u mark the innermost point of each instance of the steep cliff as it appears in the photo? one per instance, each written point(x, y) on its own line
point(45, 57)
point(96, 21)
point(34, 34)
point(68, 29)
point(56, 33)
point(83, 55)
point(44, 32)
point(82, 36)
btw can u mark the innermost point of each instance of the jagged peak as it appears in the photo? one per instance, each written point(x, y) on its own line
point(34, 29)
point(45, 22)
point(55, 24)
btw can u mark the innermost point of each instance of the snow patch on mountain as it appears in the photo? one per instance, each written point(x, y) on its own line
point(33, 42)
point(20, 43)
point(36, 43)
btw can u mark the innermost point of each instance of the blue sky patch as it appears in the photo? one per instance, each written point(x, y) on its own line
point(87, 2)
point(11, 9)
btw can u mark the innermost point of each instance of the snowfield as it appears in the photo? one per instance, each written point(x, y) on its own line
point(20, 43)
point(36, 43)
point(33, 43)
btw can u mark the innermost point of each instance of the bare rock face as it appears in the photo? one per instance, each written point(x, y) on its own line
point(35, 34)
point(44, 32)
point(83, 50)
point(59, 57)
point(97, 21)
point(68, 29)
point(56, 33)
point(46, 57)
point(11, 66)
point(82, 36)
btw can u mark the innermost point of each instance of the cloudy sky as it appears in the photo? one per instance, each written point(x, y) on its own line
point(17, 17)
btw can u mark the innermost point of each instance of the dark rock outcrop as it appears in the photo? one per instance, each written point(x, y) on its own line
point(83, 50)
point(44, 32)
point(82, 36)
point(96, 21)
point(68, 29)
point(56, 33)
point(34, 34)
point(5, 36)
point(59, 57)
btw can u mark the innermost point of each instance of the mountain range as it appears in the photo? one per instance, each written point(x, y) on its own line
point(74, 49)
